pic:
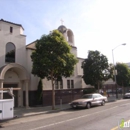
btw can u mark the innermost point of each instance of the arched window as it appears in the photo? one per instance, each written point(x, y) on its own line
point(10, 52)
point(70, 36)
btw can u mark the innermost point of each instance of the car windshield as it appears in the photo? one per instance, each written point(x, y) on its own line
point(87, 96)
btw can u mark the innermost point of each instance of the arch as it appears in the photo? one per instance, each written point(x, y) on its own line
point(23, 82)
point(20, 70)
point(10, 52)
point(70, 36)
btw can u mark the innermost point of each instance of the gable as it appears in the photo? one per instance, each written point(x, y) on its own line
point(31, 45)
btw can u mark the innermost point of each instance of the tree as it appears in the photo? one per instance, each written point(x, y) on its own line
point(52, 59)
point(39, 93)
point(123, 74)
point(95, 69)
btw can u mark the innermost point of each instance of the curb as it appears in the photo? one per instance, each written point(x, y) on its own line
point(39, 113)
point(58, 109)
point(52, 111)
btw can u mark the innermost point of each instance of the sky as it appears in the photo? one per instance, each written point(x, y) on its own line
point(102, 25)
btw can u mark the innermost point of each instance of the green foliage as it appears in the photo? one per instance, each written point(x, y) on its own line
point(123, 74)
point(111, 69)
point(39, 92)
point(95, 68)
point(52, 57)
point(89, 90)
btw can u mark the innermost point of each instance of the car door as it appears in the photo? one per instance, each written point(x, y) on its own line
point(94, 102)
point(97, 99)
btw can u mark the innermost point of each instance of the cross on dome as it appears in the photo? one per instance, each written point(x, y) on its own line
point(61, 22)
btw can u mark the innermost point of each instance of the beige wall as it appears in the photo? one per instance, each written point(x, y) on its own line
point(79, 69)
point(46, 84)
point(16, 38)
point(74, 51)
point(11, 77)
point(33, 79)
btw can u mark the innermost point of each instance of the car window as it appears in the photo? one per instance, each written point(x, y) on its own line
point(87, 96)
point(95, 96)
point(99, 96)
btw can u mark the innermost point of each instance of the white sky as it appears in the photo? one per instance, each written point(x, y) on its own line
point(97, 24)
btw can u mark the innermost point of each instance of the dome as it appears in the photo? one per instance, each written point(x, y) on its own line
point(62, 29)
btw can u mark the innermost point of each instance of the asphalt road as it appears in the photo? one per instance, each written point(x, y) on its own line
point(97, 118)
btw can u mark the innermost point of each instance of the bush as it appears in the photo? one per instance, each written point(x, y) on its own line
point(39, 93)
point(89, 90)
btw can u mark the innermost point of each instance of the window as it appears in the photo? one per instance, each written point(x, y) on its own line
point(95, 96)
point(58, 84)
point(72, 83)
point(61, 84)
point(10, 52)
point(68, 83)
point(11, 29)
point(87, 96)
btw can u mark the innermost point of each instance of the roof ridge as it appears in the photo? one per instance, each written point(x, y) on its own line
point(11, 23)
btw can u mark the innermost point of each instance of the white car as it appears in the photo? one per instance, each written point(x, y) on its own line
point(89, 100)
point(127, 95)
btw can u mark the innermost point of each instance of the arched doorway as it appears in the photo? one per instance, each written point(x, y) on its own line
point(15, 75)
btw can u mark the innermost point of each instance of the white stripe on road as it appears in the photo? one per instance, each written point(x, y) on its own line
point(72, 119)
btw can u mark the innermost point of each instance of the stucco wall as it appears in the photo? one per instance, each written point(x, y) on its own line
point(33, 79)
point(11, 77)
point(16, 38)
point(79, 69)
point(74, 51)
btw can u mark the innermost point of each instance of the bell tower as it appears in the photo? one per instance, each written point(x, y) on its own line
point(68, 34)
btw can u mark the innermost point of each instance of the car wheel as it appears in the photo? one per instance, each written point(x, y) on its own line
point(88, 105)
point(103, 103)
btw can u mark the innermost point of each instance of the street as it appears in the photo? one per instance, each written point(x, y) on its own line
point(96, 118)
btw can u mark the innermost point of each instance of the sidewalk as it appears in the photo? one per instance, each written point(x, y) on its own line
point(112, 97)
point(23, 112)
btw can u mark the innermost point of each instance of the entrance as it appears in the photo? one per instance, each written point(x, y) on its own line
point(19, 79)
point(15, 92)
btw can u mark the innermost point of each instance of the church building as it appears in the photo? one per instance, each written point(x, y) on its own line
point(16, 66)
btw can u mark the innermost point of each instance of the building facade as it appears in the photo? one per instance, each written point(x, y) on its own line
point(16, 66)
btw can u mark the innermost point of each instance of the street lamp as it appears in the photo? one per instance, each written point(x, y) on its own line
point(115, 72)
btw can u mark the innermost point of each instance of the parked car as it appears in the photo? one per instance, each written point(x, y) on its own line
point(89, 100)
point(127, 95)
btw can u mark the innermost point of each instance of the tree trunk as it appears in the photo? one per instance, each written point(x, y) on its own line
point(53, 94)
point(123, 89)
point(98, 86)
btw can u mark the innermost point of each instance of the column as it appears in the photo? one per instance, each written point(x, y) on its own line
point(1, 86)
point(26, 93)
point(20, 94)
